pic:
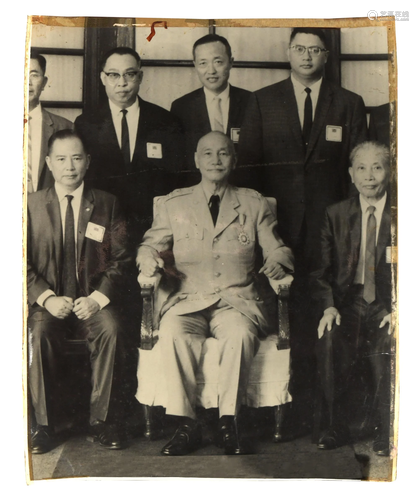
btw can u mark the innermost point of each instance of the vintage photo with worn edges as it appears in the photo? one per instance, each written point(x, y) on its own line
point(211, 248)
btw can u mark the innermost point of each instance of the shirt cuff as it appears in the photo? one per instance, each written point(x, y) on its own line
point(101, 299)
point(43, 297)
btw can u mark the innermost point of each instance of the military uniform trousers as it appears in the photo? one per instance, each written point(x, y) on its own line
point(182, 337)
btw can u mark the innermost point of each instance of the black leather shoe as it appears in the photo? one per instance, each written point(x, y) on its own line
point(41, 440)
point(186, 439)
point(381, 444)
point(228, 437)
point(106, 435)
point(333, 439)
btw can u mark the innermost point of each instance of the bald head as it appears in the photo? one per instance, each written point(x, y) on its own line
point(215, 157)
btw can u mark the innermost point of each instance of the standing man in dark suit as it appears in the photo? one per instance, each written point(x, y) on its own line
point(297, 134)
point(217, 106)
point(41, 125)
point(353, 285)
point(379, 127)
point(135, 145)
point(77, 254)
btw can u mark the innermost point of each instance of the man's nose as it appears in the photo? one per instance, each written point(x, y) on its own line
point(307, 55)
point(69, 165)
point(122, 81)
point(211, 68)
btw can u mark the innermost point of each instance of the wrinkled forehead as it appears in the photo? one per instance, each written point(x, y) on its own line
point(214, 141)
point(371, 155)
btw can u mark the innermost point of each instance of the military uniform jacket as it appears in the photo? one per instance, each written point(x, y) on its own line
point(216, 262)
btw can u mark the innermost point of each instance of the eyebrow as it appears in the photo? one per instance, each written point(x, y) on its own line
point(114, 70)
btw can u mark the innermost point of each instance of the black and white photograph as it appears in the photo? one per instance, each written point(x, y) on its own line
point(211, 260)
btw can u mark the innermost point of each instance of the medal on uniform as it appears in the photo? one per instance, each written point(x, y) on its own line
point(243, 236)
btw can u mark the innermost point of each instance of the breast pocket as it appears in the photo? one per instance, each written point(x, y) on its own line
point(241, 241)
point(188, 245)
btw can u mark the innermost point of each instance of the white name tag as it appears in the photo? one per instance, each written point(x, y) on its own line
point(388, 255)
point(95, 232)
point(235, 134)
point(333, 133)
point(154, 150)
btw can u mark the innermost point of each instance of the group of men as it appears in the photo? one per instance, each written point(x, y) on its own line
point(91, 229)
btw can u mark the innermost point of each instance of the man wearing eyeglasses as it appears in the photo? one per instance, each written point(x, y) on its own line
point(297, 135)
point(134, 145)
point(42, 124)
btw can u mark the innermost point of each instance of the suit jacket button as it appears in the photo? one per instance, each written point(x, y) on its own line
point(217, 275)
point(217, 289)
point(216, 257)
point(215, 240)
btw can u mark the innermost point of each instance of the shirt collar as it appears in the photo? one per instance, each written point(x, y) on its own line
point(62, 193)
point(209, 96)
point(36, 113)
point(299, 87)
point(379, 206)
point(209, 193)
point(115, 110)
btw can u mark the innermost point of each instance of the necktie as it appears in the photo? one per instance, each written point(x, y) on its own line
point(369, 275)
point(218, 115)
point(126, 153)
point(30, 183)
point(69, 269)
point(214, 207)
point(308, 117)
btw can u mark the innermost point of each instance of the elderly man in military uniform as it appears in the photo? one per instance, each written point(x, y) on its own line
point(213, 230)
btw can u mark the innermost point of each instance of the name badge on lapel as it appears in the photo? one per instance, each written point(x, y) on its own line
point(235, 134)
point(154, 150)
point(95, 232)
point(333, 133)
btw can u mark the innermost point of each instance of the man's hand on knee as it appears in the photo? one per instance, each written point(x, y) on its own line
point(85, 307)
point(330, 315)
point(60, 307)
point(387, 321)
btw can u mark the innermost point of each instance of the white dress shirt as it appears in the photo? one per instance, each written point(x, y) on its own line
point(301, 94)
point(379, 208)
point(211, 98)
point(133, 116)
point(99, 297)
point(35, 125)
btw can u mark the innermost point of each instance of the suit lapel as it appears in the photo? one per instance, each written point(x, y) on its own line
point(288, 101)
point(384, 231)
point(228, 212)
point(235, 108)
point(107, 130)
point(201, 211)
point(322, 108)
point(86, 210)
point(355, 228)
point(203, 121)
point(47, 131)
point(53, 210)
point(142, 125)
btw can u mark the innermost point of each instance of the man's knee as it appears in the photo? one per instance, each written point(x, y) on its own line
point(43, 326)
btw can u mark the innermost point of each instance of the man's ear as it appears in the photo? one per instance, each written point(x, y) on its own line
point(48, 161)
point(196, 160)
point(102, 77)
point(326, 57)
point(140, 76)
point(351, 173)
point(45, 83)
point(88, 157)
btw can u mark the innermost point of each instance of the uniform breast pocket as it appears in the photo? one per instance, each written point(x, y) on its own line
point(188, 245)
point(241, 241)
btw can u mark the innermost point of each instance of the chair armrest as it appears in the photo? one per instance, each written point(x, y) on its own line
point(282, 289)
point(148, 289)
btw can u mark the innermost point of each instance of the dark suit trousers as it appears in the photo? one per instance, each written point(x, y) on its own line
point(357, 338)
point(46, 347)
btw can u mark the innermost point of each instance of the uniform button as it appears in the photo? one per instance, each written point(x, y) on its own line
point(217, 275)
point(257, 298)
point(215, 240)
point(218, 290)
point(216, 257)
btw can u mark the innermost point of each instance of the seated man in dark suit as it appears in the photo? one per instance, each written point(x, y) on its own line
point(214, 231)
point(353, 284)
point(76, 251)
point(217, 105)
point(41, 125)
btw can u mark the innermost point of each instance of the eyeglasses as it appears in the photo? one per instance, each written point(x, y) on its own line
point(313, 51)
point(130, 76)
